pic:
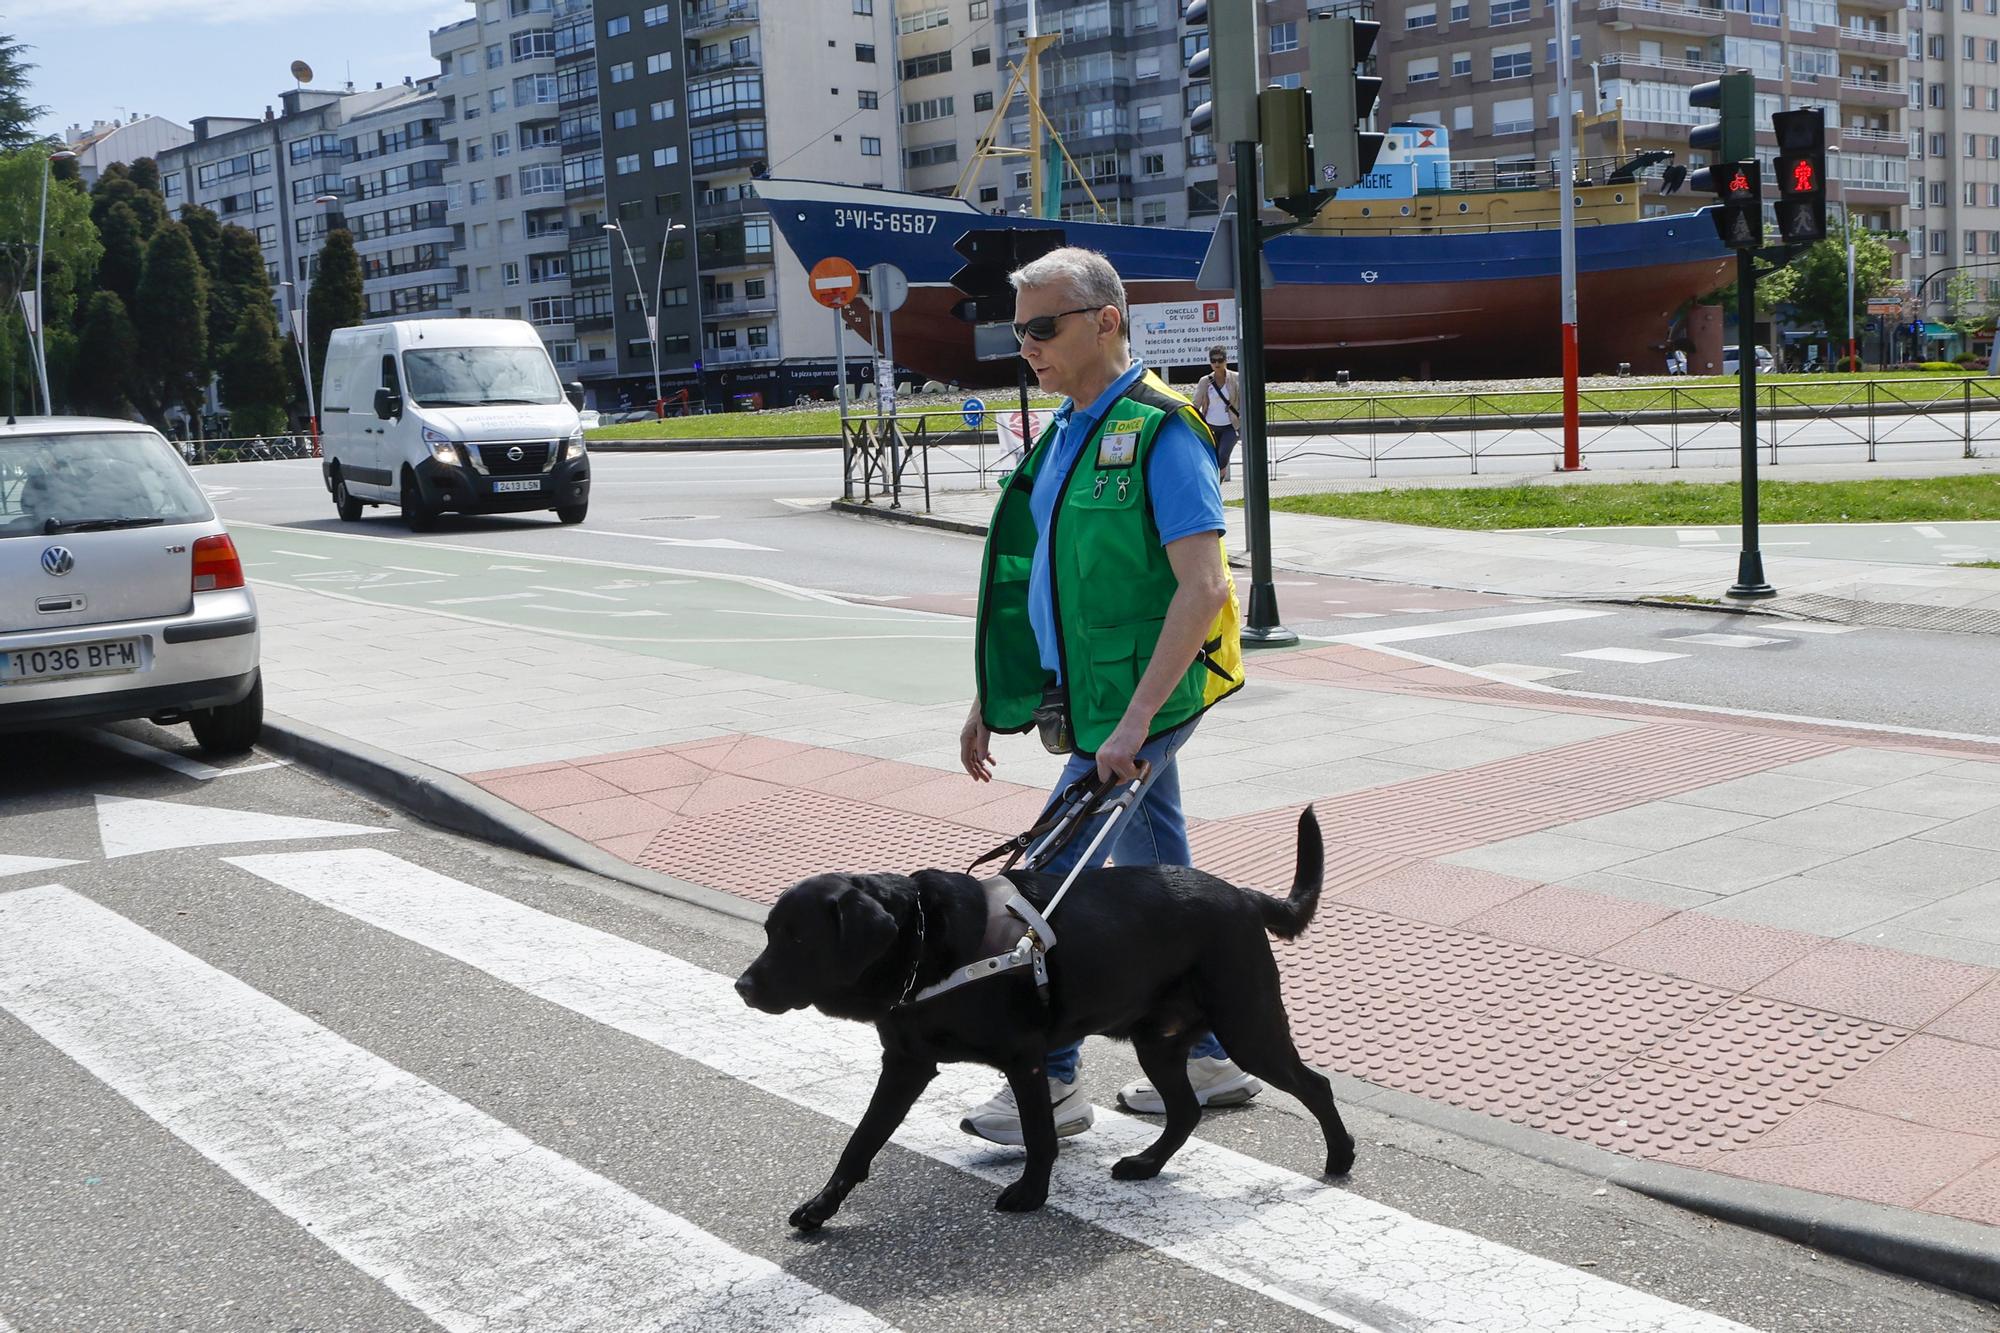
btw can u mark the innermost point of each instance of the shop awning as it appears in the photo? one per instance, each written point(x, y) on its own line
point(1937, 331)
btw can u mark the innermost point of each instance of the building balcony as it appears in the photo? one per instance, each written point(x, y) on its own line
point(1873, 92)
point(754, 111)
point(742, 307)
point(724, 260)
point(735, 356)
point(592, 323)
point(1663, 15)
point(724, 60)
point(1702, 69)
point(717, 17)
point(1869, 41)
point(730, 208)
point(1849, 134)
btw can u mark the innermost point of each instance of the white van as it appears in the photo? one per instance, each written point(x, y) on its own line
point(450, 414)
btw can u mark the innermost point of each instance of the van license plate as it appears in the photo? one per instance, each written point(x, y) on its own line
point(76, 659)
point(532, 484)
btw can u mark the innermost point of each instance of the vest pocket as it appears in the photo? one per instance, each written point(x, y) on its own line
point(1119, 655)
point(1105, 488)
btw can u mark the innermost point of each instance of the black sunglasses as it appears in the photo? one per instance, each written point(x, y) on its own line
point(1043, 327)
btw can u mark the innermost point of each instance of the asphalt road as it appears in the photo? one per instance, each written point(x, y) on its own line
point(761, 514)
point(272, 1056)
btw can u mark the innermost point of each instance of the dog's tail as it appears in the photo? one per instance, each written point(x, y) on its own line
point(1288, 917)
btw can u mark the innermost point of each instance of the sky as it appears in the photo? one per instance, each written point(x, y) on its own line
point(100, 59)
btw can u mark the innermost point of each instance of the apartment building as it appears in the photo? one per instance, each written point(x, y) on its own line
point(949, 81)
point(263, 174)
point(128, 140)
point(393, 200)
point(1486, 69)
point(606, 150)
point(1954, 220)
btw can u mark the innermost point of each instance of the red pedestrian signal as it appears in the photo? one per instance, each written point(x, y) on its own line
point(1804, 177)
point(1801, 171)
point(1739, 183)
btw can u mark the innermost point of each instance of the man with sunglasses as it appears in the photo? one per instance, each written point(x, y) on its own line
point(1106, 612)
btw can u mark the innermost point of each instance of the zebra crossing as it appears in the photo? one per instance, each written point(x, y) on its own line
point(478, 1226)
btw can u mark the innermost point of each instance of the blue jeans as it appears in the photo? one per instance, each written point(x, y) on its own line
point(1155, 834)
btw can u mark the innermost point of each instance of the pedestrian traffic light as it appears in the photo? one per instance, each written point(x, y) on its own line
point(1229, 65)
point(1733, 137)
point(1282, 117)
point(991, 255)
point(1801, 170)
point(1342, 99)
point(1739, 212)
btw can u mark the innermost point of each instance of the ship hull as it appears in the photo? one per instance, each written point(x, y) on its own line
point(1449, 306)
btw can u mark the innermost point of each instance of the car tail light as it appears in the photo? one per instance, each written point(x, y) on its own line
point(216, 564)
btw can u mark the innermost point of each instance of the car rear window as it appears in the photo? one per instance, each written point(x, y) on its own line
point(93, 476)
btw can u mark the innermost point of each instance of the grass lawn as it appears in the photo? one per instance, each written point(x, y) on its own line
point(1643, 504)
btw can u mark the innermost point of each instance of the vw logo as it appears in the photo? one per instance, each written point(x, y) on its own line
point(516, 454)
point(57, 561)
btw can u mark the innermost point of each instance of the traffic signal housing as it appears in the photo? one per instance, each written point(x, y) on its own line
point(1801, 171)
point(1732, 136)
point(1342, 99)
point(1739, 211)
point(991, 255)
point(1229, 66)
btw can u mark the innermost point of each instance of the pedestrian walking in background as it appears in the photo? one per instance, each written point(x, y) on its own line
point(1219, 400)
point(1104, 554)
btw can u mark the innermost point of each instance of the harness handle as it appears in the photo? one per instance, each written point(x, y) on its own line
point(1119, 807)
point(1061, 819)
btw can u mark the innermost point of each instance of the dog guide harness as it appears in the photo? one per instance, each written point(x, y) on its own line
point(1017, 936)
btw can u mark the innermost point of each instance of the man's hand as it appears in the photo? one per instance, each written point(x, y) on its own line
point(975, 746)
point(1118, 757)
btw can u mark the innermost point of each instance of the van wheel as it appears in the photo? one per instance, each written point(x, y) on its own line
point(232, 728)
point(573, 513)
point(420, 516)
point(348, 507)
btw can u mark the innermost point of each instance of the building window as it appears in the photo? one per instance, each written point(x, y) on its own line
point(617, 27)
point(977, 10)
point(1461, 11)
point(1515, 116)
point(657, 15)
point(627, 164)
point(621, 72)
point(1285, 36)
point(864, 6)
point(864, 52)
point(1512, 62)
point(666, 157)
point(870, 147)
point(1420, 16)
point(982, 55)
point(1461, 64)
point(510, 274)
point(659, 62)
point(984, 102)
point(1424, 70)
point(625, 119)
point(534, 44)
point(918, 66)
point(758, 335)
point(1504, 12)
point(870, 100)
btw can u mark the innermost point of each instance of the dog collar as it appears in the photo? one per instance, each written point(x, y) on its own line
point(916, 959)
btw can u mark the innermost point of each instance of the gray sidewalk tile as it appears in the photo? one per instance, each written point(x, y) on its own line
point(1932, 794)
point(1553, 729)
point(1976, 770)
point(1915, 869)
point(1311, 751)
point(1728, 864)
point(1768, 794)
point(1958, 948)
point(1542, 857)
point(1417, 730)
point(1866, 767)
point(1837, 911)
point(1344, 776)
point(1457, 752)
point(1980, 830)
point(1843, 828)
point(1659, 825)
point(1615, 885)
point(1971, 915)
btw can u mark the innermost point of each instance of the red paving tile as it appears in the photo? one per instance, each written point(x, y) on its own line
point(608, 819)
point(1880, 984)
point(1653, 1109)
point(1567, 920)
point(551, 789)
point(1432, 891)
point(1892, 1164)
point(1712, 949)
point(1974, 1196)
point(1945, 1084)
point(872, 780)
point(1976, 1019)
point(648, 772)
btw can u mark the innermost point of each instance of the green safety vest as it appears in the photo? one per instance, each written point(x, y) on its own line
point(1113, 582)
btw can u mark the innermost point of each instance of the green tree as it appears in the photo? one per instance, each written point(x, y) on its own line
point(335, 301)
point(1815, 284)
point(1967, 309)
point(108, 353)
point(172, 321)
point(205, 230)
point(124, 243)
point(17, 114)
point(71, 258)
point(116, 186)
point(236, 280)
point(255, 382)
point(145, 173)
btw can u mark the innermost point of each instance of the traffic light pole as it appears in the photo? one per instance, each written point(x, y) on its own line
point(1260, 627)
point(1750, 583)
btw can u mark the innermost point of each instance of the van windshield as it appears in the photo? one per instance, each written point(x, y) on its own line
point(480, 376)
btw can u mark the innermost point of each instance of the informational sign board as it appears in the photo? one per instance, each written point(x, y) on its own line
point(1009, 426)
point(975, 413)
point(1179, 333)
point(885, 387)
point(888, 288)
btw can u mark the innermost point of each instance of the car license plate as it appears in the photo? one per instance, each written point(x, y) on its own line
point(532, 484)
point(75, 659)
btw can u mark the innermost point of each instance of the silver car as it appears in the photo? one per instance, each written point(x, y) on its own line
point(121, 594)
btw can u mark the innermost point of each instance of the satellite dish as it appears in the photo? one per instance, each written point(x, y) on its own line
point(302, 71)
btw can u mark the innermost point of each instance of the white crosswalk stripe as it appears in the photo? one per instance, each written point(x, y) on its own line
point(1288, 1236)
point(466, 1219)
point(1474, 625)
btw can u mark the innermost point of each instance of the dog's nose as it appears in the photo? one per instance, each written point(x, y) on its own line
point(746, 988)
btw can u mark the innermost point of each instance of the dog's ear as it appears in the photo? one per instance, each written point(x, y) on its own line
point(866, 929)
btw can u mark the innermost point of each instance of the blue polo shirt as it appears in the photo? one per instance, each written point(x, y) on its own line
point(1184, 488)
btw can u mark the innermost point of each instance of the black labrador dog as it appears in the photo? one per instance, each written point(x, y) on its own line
point(1155, 955)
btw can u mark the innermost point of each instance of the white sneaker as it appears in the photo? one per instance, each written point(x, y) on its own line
point(1215, 1082)
point(998, 1120)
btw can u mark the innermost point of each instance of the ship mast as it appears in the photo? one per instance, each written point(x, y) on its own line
point(1027, 79)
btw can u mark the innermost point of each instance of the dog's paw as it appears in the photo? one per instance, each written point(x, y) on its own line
point(1023, 1196)
point(1136, 1167)
point(1339, 1161)
point(811, 1214)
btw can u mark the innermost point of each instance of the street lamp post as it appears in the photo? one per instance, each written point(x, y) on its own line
point(40, 341)
point(302, 334)
point(650, 313)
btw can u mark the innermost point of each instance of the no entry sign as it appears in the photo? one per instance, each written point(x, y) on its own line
point(834, 282)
